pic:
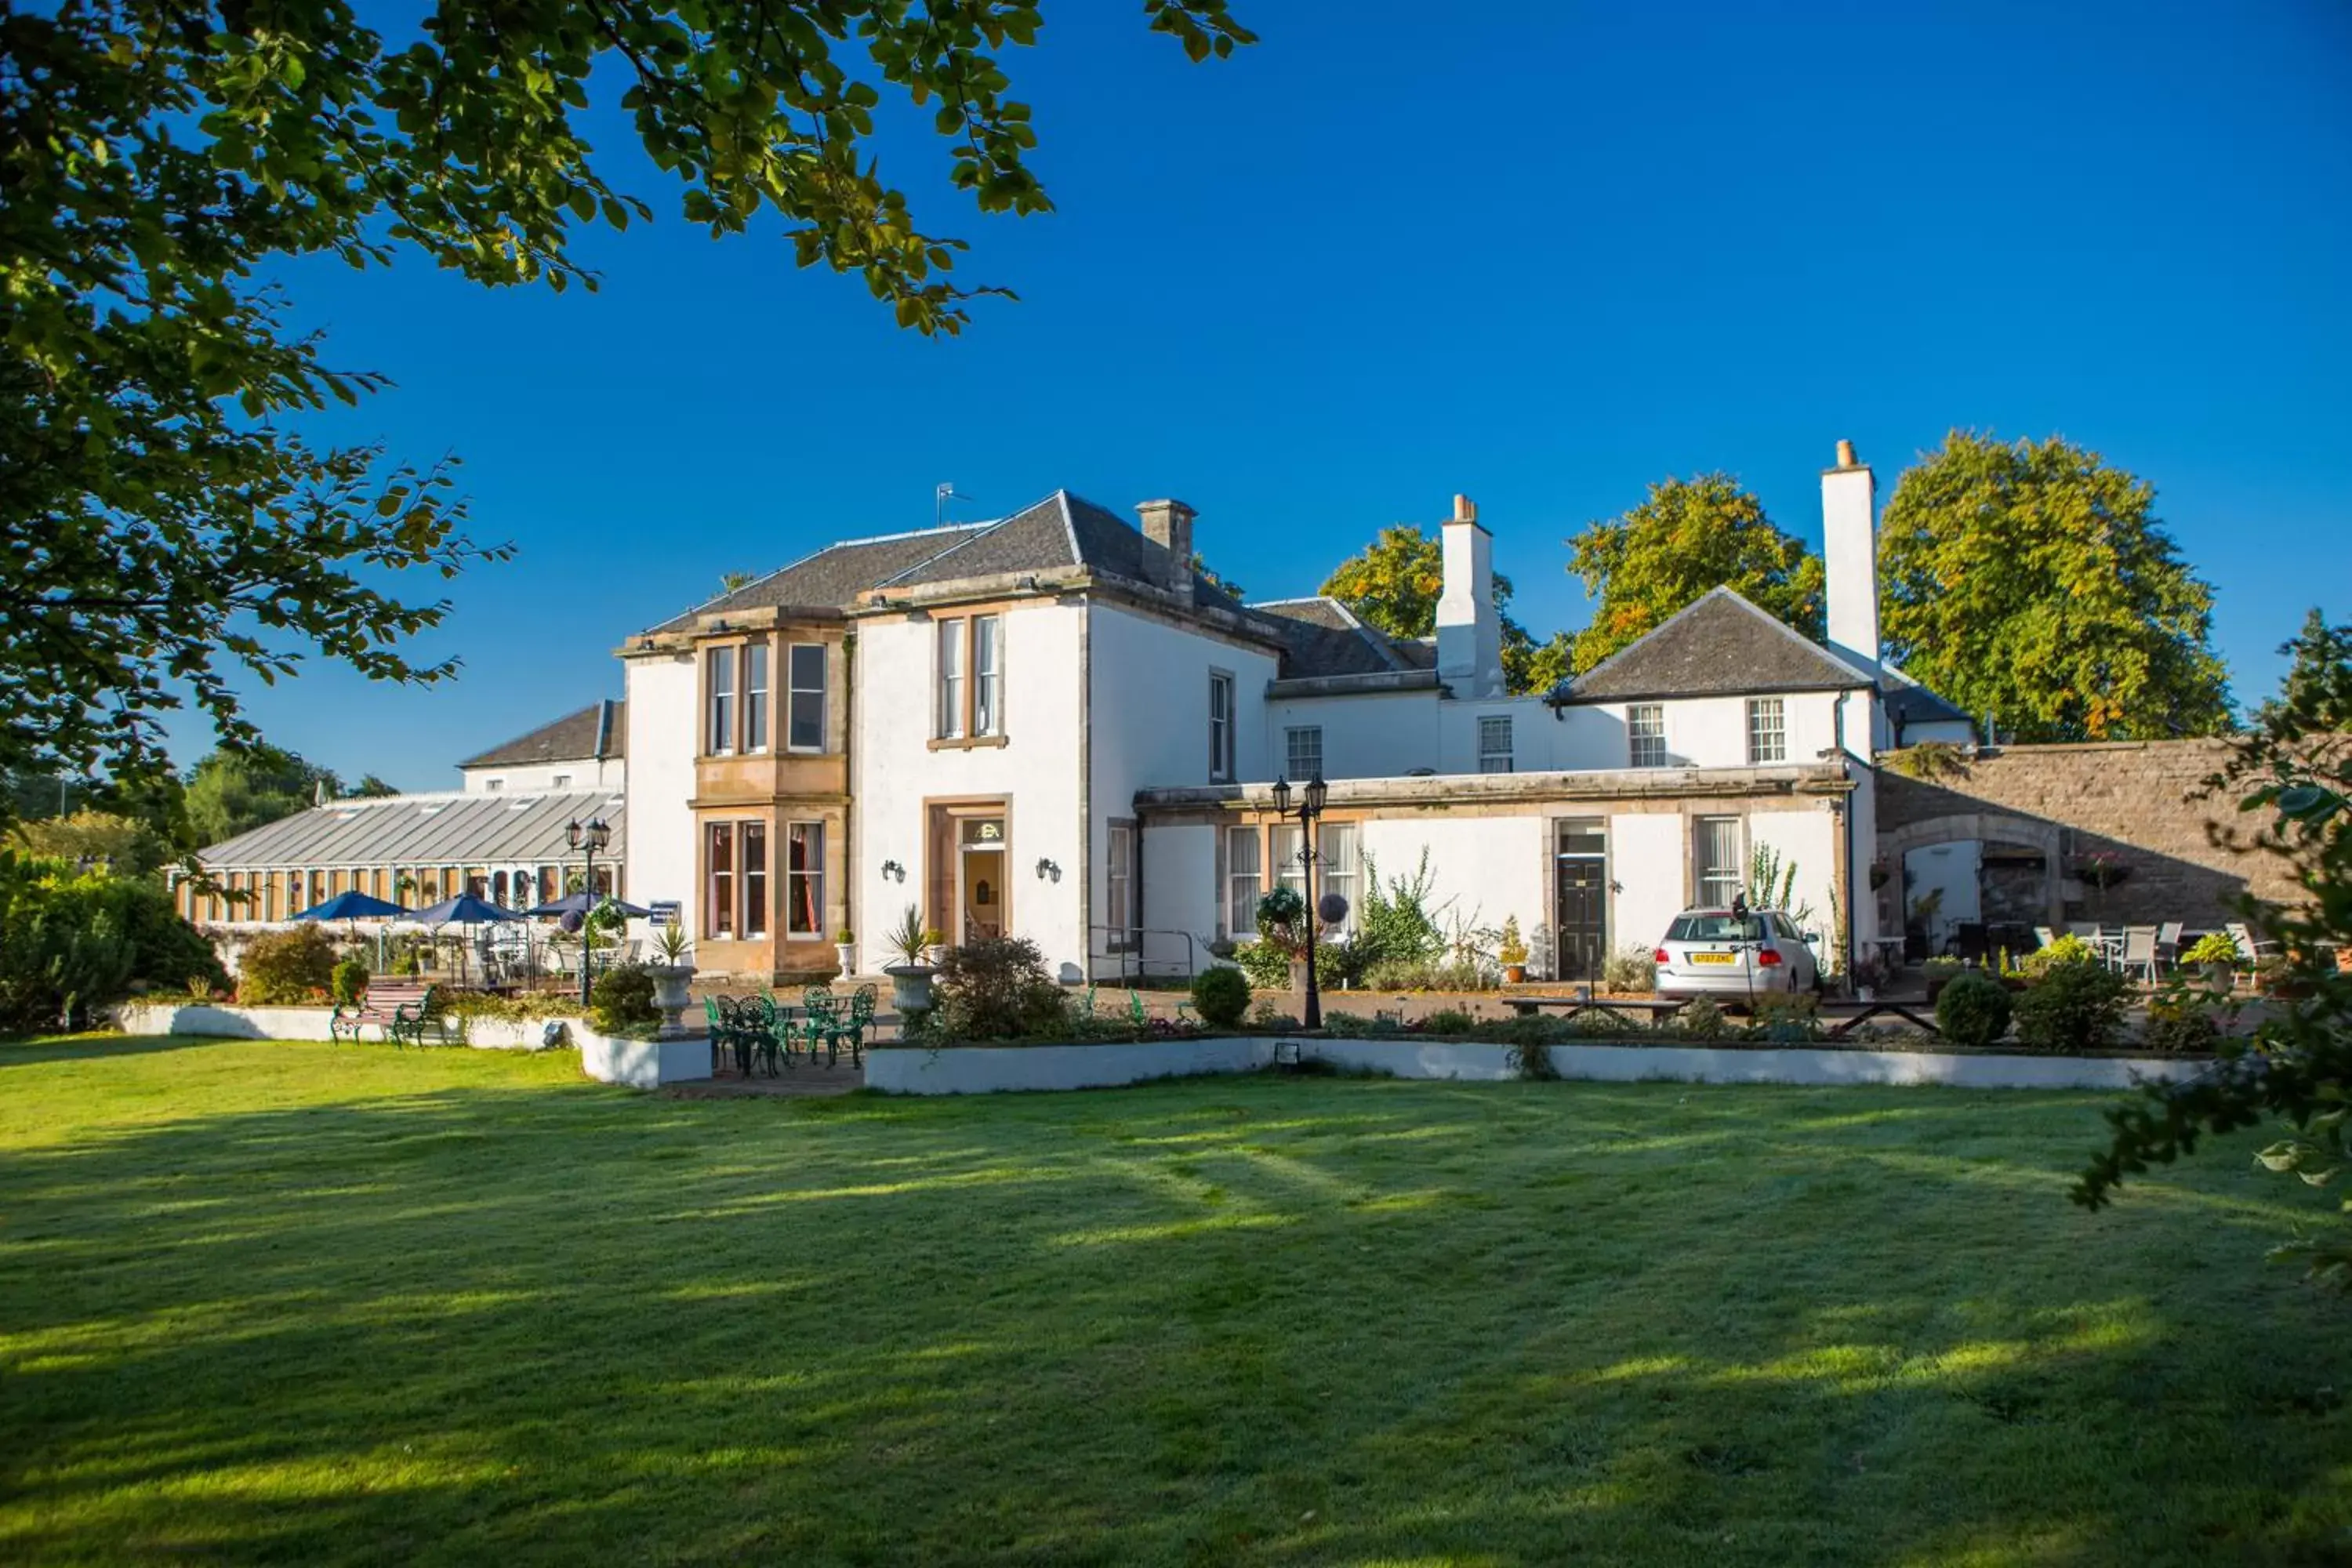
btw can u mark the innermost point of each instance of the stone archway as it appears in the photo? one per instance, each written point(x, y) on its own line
point(1988, 827)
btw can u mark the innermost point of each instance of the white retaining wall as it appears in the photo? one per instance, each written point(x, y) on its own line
point(639, 1064)
point(987, 1069)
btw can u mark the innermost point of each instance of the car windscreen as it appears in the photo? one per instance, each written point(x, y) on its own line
point(1715, 928)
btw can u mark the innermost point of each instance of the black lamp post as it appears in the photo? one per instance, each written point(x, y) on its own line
point(1309, 808)
point(588, 837)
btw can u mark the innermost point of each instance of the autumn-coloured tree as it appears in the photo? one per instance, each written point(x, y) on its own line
point(1393, 584)
point(1689, 537)
point(2031, 580)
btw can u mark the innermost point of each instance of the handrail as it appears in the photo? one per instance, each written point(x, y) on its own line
point(1142, 966)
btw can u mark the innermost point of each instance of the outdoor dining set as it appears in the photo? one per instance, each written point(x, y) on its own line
point(2142, 951)
point(759, 1033)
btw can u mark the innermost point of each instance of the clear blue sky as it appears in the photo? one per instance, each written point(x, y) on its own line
point(1541, 254)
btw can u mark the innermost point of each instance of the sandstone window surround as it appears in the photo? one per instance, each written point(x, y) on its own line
point(968, 703)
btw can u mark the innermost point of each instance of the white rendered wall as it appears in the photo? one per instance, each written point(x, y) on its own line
point(1706, 731)
point(1850, 561)
point(1382, 735)
point(1179, 894)
point(1150, 728)
point(1809, 839)
point(1482, 868)
point(539, 778)
point(1535, 736)
point(659, 859)
point(1645, 865)
point(894, 773)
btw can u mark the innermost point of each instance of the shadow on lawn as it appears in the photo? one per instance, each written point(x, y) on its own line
point(90, 1048)
point(1261, 1320)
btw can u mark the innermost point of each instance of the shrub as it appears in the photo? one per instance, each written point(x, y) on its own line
point(622, 1001)
point(1220, 995)
point(289, 966)
point(72, 943)
point(2213, 947)
point(2073, 1006)
point(350, 979)
point(1266, 1017)
point(2066, 952)
point(1395, 923)
point(1630, 968)
point(1703, 1020)
point(1265, 966)
point(1430, 975)
point(1789, 1019)
point(1449, 1021)
point(2178, 1026)
point(997, 989)
point(1973, 1010)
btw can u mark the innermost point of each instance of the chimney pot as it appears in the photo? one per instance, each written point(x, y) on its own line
point(1845, 455)
point(1465, 510)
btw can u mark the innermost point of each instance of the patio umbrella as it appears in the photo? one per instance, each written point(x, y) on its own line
point(463, 910)
point(581, 903)
point(355, 906)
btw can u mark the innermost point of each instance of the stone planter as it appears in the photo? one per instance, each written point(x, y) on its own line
point(845, 955)
point(671, 981)
point(2218, 976)
point(910, 985)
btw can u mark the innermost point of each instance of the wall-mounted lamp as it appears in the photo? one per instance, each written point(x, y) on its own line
point(892, 869)
point(1045, 868)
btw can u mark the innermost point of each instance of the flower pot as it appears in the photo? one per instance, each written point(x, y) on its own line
point(1514, 974)
point(670, 992)
point(2218, 976)
point(910, 985)
point(934, 956)
point(845, 955)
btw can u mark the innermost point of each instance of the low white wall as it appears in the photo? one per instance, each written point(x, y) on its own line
point(986, 1069)
point(639, 1064)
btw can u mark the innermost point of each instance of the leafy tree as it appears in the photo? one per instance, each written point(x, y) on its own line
point(1689, 537)
point(168, 532)
point(371, 787)
point(731, 581)
point(231, 792)
point(2294, 768)
point(1393, 584)
point(1222, 583)
point(132, 847)
point(2031, 581)
point(2316, 694)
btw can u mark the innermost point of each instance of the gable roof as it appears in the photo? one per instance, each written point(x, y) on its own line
point(1323, 638)
point(594, 731)
point(1721, 644)
point(833, 577)
point(463, 830)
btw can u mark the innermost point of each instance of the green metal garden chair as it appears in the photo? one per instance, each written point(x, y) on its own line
point(822, 1023)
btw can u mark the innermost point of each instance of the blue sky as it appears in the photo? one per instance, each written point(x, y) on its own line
point(1541, 254)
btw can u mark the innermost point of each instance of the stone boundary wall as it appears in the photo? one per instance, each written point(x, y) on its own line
point(999, 1069)
point(2137, 800)
point(637, 1064)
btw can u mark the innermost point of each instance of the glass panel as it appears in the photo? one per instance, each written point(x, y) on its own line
point(1719, 880)
point(950, 725)
point(806, 719)
point(1221, 726)
point(755, 697)
point(1584, 835)
point(1645, 729)
point(805, 878)
point(1337, 846)
point(720, 913)
point(1495, 745)
point(1303, 752)
point(988, 676)
point(1242, 880)
point(1767, 738)
point(981, 832)
point(1288, 871)
point(719, 737)
point(755, 878)
point(1121, 878)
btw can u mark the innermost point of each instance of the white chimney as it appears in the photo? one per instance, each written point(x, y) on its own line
point(1850, 554)
point(1469, 633)
point(1169, 524)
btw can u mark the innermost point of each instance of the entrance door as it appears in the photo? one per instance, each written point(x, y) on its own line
point(980, 889)
point(1581, 878)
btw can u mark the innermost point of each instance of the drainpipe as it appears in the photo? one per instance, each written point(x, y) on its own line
point(850, 861)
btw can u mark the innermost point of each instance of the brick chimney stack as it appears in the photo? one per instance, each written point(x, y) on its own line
point(1169, 524)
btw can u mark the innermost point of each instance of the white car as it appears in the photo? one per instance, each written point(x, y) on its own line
point(1723, 954)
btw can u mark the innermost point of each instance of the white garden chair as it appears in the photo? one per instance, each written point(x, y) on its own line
point(2139, 952)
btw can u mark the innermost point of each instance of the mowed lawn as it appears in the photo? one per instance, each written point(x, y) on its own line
point(303, 1304)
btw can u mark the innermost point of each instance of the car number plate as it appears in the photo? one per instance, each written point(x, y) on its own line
point(1714, 958)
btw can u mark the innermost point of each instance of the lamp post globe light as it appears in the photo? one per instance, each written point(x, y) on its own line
point(588, 837)
point(1309, 808)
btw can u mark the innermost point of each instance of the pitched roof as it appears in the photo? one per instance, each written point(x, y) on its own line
point(1322, 638)
point(1720, 646)
point(463, 830)
point(1909, 702)
point(833, 577)
point(595, 731)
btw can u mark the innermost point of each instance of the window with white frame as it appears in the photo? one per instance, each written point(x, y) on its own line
point(755, 697)
point(1767, 731)
point(1721, 872)
point(494, 785)
point(718, 740)
point(1221, 728)
point(1646, 735)
point(753, 843)
point(1340, 868)
point(952, 701)
point(805, 697)
point(988, 675)
point(805, 878)
point(1495, 744)
point(1302, 750)
point(1243, 882)
point(718, 917)
point(1288, 871)
point(1120, 878)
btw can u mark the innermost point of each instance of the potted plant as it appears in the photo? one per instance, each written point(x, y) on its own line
point(1939, 973)
point(845, 950)
point(1870, 974)
point(1511, 952)
point(671, 972)
point(910, 977)
point(2215, 956)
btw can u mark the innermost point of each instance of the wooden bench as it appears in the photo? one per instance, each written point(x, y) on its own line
point(1569, 1006)
point(399, 1007)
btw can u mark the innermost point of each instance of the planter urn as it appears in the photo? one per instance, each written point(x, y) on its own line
point(845, 955)
point(910, 985)
point(671, 981)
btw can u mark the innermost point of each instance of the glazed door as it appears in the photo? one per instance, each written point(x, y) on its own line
point(1582, 917)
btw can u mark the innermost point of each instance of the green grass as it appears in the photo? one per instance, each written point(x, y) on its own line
point(294, 1303)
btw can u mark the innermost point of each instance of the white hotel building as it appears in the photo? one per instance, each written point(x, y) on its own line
point(1051, 725)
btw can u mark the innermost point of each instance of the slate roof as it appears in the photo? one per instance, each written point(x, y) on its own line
point(1909, 702)
point(424, 830)
point(1322, 638)
point(595, 731)
point(1720, 646)
point(833, 577)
